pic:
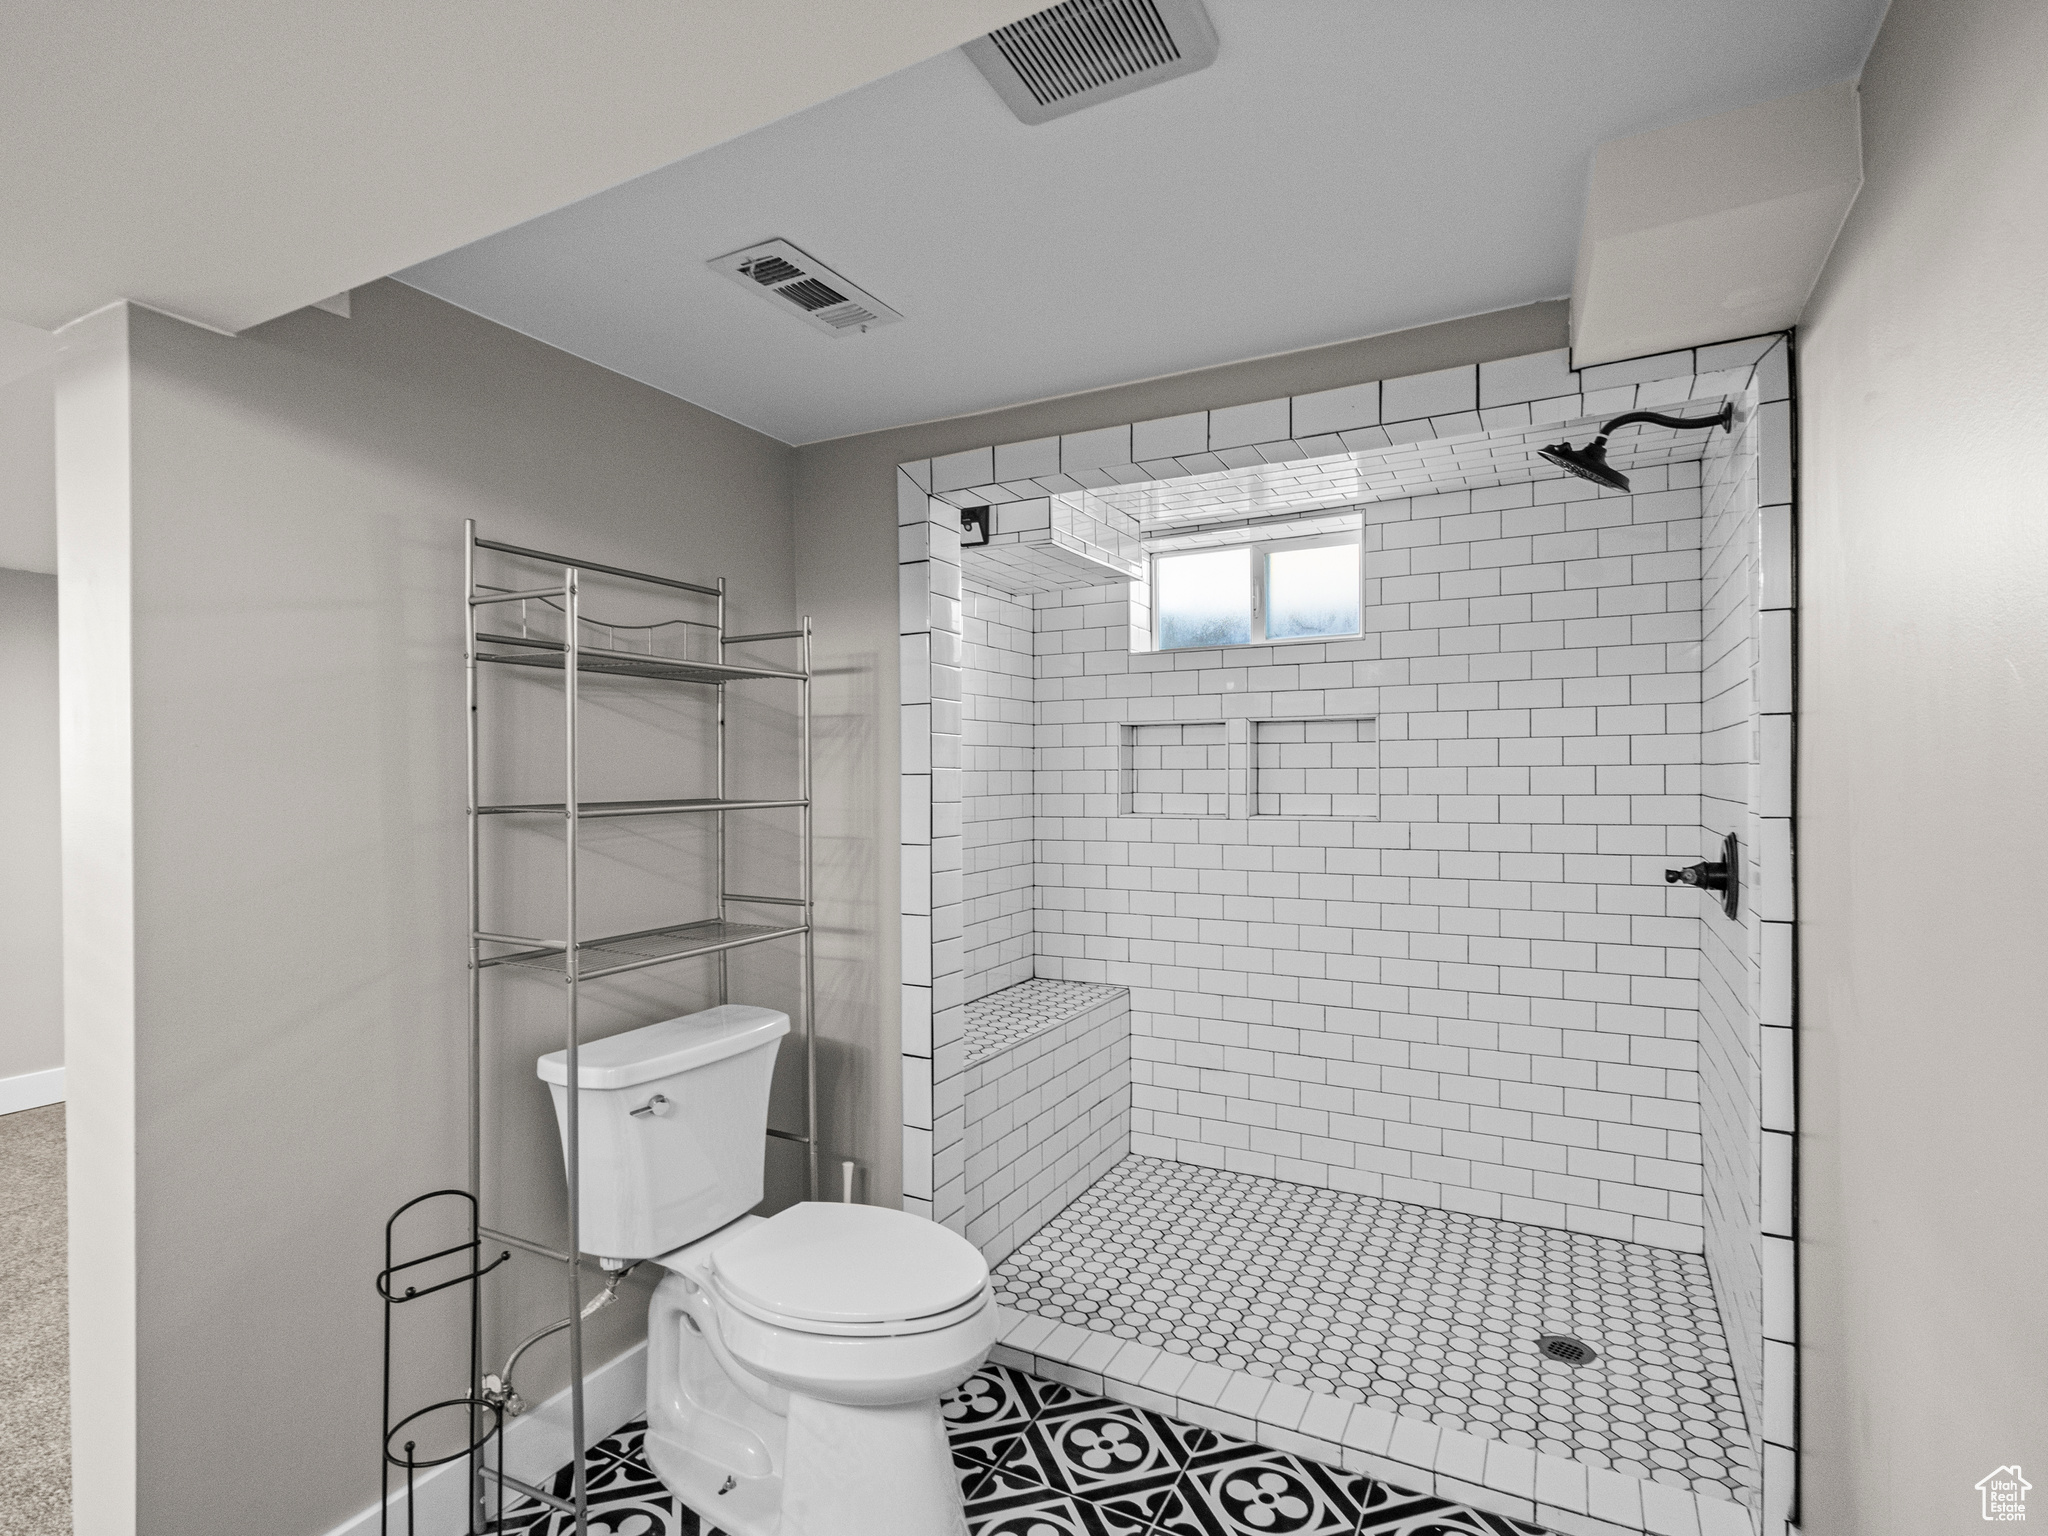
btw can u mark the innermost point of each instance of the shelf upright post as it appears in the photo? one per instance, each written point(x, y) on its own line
point(571, 980)
point(472, 827)
point(724, 982)
point(476, 1058)
point(806, 956)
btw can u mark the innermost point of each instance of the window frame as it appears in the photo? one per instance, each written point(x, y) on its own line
point(1260, 549)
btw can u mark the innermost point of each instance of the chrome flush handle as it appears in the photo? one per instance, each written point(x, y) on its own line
point(658, 1105)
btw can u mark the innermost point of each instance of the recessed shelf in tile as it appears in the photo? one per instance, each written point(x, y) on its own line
point(1313, 768)
point(1175, 770)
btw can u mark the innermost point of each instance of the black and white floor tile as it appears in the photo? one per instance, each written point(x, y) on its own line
point(1422, 1312)
point(626, 1498)
point(1036, 1458)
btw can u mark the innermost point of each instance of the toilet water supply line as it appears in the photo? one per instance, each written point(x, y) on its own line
point(498, 1389)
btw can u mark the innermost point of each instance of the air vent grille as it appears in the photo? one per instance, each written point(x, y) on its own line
point(1084, 44)
point(808, 289)
point(769, 270)
point(812, 294)
point(1079, 52)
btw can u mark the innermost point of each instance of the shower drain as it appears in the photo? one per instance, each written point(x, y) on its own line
point(1562, 1346)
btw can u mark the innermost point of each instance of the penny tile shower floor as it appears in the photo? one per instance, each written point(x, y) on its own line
point(1036, 1458)
point(1427, 1313)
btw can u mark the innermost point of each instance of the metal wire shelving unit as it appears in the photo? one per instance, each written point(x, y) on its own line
point(517, 628)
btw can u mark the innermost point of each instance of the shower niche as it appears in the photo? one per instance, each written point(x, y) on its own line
point(1312, 767)
point(1178, 769)
point(1317, 767)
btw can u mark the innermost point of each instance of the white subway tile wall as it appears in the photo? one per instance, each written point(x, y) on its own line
point(1037, 543)
point(1746, 1032)
point(933, 1003)
point(1360, 442)
point(1487, 999)
point(1731, 949)
point(1504, 453)
point(1048, 1100)
point(996, 773)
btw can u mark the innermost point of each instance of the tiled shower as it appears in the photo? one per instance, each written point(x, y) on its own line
point(1376, 930)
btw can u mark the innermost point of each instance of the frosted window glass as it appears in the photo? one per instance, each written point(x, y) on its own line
point(1312, 592)
point(1205, 599)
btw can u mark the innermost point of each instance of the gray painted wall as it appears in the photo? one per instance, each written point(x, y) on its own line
point(295, 1024)
point(846, 573)
point(28, 473)
point(1924, 696)
point(32, 995)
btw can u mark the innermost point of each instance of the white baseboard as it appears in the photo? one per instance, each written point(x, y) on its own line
point(31, 1090)
point(536, 1445)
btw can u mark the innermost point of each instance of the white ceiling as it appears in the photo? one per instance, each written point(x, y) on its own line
point(230, 160)
point(1346, 168)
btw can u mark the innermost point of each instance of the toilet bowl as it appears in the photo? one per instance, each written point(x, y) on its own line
point(795, 1366)
point(795, 1361)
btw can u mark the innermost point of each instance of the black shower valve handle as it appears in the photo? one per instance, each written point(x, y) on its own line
point(1707, 876)
point(1723, 874)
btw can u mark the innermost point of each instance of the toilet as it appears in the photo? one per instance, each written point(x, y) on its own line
point(794, 1362)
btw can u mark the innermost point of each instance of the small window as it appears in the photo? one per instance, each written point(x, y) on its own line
point(1311, 591)
point(1204, 598)
point(1284, 589)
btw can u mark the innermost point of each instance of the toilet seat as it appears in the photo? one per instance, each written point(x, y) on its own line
point(886, 1329)
point(850, 1271)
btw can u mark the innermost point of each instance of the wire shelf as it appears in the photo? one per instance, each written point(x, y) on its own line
point(652, 946)
point(602, 809)
point(548, 654)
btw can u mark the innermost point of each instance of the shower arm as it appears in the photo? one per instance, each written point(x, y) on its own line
point(1724, 418)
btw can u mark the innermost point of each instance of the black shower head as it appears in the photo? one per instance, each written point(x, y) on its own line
point(1590, 462)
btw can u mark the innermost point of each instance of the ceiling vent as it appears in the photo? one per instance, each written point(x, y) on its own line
point(1081, 52)
point(820, 297)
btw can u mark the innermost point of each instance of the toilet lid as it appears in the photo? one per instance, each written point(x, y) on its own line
point(826, 1263)
point(674, 1046)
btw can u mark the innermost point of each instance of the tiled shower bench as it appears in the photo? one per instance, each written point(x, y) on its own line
point(1048, 1100)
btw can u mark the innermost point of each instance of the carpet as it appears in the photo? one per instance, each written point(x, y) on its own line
point(35, 1373)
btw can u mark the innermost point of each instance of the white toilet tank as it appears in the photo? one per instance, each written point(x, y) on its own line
point(674, 1120)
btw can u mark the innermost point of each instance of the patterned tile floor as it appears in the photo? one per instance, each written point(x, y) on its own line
point(1040, 1459)
point(1426, 1313)
point(1002, 1019)
point(626, 1498)
point(1036, 1458)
